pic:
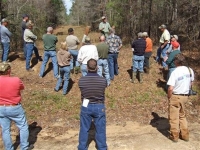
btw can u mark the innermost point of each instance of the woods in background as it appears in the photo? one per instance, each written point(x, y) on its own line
point(133, 16)
point(43, 13)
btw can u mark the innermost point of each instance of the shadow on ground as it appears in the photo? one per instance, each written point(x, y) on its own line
point(161, 124)
point(33, 132)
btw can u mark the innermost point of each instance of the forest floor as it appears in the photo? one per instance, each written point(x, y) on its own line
point(136, 113)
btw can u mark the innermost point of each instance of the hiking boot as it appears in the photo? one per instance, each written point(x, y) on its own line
point(133, 80)
point(184, 135)
point(30, 70)
point(140, 77)
point(174, 136)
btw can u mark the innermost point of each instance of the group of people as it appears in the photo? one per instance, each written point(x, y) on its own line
point(98, 65)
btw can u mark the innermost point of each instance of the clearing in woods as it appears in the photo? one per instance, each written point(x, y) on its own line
point(136, 113)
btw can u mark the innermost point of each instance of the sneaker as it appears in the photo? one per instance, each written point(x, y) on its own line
point(30, 147)
point(55, 90)
point(40, 76)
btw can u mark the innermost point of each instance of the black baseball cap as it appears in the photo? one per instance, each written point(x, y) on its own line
point(25, 15)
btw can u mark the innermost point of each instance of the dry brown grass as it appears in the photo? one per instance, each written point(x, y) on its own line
point(125, 101)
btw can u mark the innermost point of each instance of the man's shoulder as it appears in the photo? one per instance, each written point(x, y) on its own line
point(13, 79)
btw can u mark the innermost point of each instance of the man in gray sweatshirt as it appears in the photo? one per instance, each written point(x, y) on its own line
point(5, 39)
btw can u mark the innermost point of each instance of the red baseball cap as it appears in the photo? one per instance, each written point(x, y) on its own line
point(175, 44)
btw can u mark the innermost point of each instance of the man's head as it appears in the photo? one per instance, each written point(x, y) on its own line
point(4, 22)
point(145, 34)
point(102, 38)
point(175, 45)
point(87, 40)
point(174, 38)
point(112, 31)
point(5, 68)
point(50, 30)
point(179, 60)
point(92, 65)
point(140, 35)
point(29, 25)
point(25, 17)
point(162, 27)
point(70, 31)
point(103, 18)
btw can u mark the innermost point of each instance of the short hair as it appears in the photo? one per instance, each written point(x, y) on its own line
point(145, 34)
point(112, 30)
point(92, 65)
point(180, 59)
point(70, 30)
point(140, 35)
point(87, 40)
point(49, 29)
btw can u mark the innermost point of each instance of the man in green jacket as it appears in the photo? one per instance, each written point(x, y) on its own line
point(170, 59)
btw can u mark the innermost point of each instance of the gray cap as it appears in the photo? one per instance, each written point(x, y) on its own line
point(163, 26)
point(140, 34)
point(4, 66)
point(175, 36)
point(4, 20)
point(103, 17)
point(145, 34)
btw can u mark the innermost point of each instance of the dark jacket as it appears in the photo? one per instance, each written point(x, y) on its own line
point(139, 46)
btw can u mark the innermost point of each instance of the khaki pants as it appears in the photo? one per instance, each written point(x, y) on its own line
point(177, 119)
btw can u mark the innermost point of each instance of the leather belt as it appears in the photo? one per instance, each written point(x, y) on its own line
point(29, 43)
point(182, 94)
point(10, 104)
point(96, 102)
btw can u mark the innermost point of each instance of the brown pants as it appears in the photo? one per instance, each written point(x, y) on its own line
point(177, 119)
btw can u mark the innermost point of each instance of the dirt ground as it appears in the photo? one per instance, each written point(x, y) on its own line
point(136, 113)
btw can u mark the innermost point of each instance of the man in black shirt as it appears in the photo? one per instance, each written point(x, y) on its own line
point(92, 88)
point(138, 48)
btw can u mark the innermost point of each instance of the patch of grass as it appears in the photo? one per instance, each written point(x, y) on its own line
point(144, 97)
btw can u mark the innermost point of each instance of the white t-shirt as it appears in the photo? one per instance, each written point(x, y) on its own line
point(165, 36)
point(87, 52)
point(180, 79)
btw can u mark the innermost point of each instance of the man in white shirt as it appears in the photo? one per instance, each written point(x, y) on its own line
point(179, 85)
point(87, 52)
point(164, 41)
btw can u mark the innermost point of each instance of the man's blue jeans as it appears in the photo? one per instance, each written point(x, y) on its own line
point(47, 55)
point(6, 49)
point(103, 65)
point(74, 62)
point(113, 65)
point(97, 113)
point(138, 63)
point(64, 75)
point(29, 52)
point(34, 49)
point(84, 69)
point(16, 114)
point(164, 54)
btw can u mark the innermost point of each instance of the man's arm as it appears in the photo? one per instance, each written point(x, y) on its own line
point(120, 43)
point(170, 59)
point(101, 27)
point(165, 43)
point(170, 90)
point(31, 35)
point(8, 33)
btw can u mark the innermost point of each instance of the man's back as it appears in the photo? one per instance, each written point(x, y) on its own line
point(10, 88)
point(49, 41)
point(87, 52)
point(103, 49)
point(92, 87)
point(5, 34)
point(139, 46)
point(72, 42)
point(181, 80)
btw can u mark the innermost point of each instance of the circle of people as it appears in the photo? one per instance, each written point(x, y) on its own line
point(95, 63)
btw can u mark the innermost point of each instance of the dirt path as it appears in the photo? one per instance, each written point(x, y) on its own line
point(131, 136)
